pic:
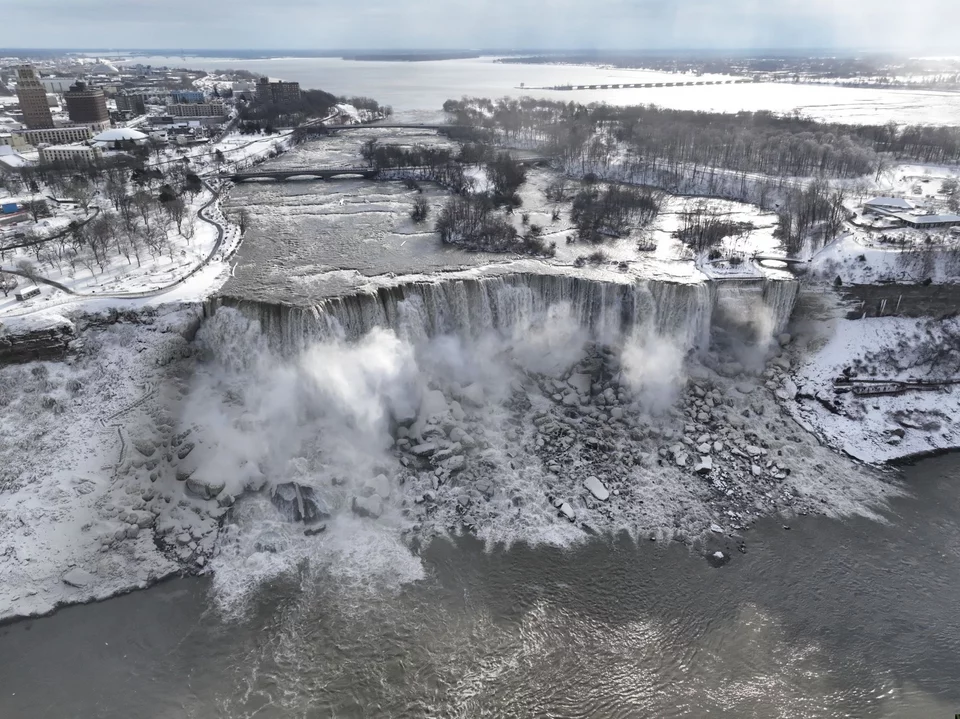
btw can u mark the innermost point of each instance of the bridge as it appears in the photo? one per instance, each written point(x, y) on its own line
point(635, 85)
point(780, 258)
point(316, 173)
point(392, 126)
point(328, 173)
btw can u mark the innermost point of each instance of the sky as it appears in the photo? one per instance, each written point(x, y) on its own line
point(918, 25)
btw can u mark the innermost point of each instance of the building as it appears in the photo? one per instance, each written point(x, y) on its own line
point(277, 92)
point(13, 140)
point(125, 136)
point(885, 205)
point(185, 96)
point(87, 105)
point(33, 99)
point(201, 109)
point(928, 222)
point(58, 85)
point(245, 89)
point(137, 104)
point(70, 154)
point(56, 135)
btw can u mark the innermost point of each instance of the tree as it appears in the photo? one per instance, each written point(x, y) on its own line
point(80, 191)
point(506, 175)
point(28, 270)
point(37, 209)
point(243, 219)
point(176, 209)
point(420, 209)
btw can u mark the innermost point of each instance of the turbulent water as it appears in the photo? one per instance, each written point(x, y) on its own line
point(829, 619)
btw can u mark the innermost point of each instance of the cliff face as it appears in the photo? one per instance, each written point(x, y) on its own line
point(26, 344)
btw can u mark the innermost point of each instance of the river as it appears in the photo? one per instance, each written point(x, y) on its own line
point(827, 619)
point(417, 90)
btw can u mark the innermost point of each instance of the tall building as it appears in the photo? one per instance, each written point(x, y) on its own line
point(33, 99)
point(131, 102)
point(184, 96)
point(277, 92)
point(87, 105)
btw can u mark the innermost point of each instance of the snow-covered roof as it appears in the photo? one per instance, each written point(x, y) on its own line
point(928, 219)
point(119, 133)
point(897, 202)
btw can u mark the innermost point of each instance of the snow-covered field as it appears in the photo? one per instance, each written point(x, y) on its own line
point(876, 428)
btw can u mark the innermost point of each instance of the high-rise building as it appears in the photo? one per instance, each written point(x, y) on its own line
point(87, 105)
point(277, 92)
point(33, 99)
point(197, 109)
point(131, 102)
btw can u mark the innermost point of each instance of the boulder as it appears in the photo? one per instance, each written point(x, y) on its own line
point(781, 362)
point(682, 459)
point(371, 507)
point(716, 529)
point(596, 488)
point(580, 382)
point(616, 413)
point(422, 450)
point(704, 465)
point(205, 487)
point(79, 578)
point(567, 511)
point(434, 405)
point(456, 411)
point(380, 485)
point(473, 393)
point(784, 339)
point(299, 503)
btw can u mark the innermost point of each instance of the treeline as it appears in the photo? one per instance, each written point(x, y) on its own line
point(759, 142)
point(311, 105)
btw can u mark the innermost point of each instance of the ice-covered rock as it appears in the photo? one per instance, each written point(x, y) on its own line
point(371, 506)
point(380, 485)
point(716, 528)
point(704, 465)
point(596, 488)
point(423, 449)
point(784, 339)
point(78, 578)
point(682, 458)
point(567, 511)
point(205, 487)
point(473, 393)
point(456, 411)
point(580, 382)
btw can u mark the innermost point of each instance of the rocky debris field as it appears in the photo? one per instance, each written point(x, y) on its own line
point(582, 448)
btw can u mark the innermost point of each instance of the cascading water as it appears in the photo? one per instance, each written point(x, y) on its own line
point(609, 311)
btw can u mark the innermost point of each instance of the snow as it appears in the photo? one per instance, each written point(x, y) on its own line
point(865, 427)
point(77, 507)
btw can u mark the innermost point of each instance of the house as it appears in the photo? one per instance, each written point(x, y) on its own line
point(887, 204)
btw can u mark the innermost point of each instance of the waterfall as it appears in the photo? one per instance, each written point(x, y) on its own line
point(509, 303)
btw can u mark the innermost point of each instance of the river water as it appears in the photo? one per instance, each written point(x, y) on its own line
point(417, 90)
point(832, 618)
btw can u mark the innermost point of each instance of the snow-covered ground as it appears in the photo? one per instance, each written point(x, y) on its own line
point(875, 428)
point(81, 500)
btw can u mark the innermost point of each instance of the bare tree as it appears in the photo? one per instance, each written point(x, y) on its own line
point(28, 270)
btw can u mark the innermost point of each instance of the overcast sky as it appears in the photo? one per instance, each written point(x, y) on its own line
point(919, 25)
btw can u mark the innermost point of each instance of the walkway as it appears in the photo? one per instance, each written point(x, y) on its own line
point(74, 296)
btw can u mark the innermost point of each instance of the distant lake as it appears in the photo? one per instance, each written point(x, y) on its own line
point(417, 90)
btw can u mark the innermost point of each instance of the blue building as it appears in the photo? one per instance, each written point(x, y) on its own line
point(186, 96)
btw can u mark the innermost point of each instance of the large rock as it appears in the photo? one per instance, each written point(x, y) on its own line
point(422, 450)
point(299, 503)
point(79, 578)
point(704, 465)
point(567, 511)
point(596, 488)
point(434, 405)
point(473, 393)
point(205, 487)
point(580, 382)
point(380, 485)
point(371, 506)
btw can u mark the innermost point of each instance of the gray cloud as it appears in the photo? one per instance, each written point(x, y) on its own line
point(628, 24)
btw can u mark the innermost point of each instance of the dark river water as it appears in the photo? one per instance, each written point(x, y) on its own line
point(850, 618)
